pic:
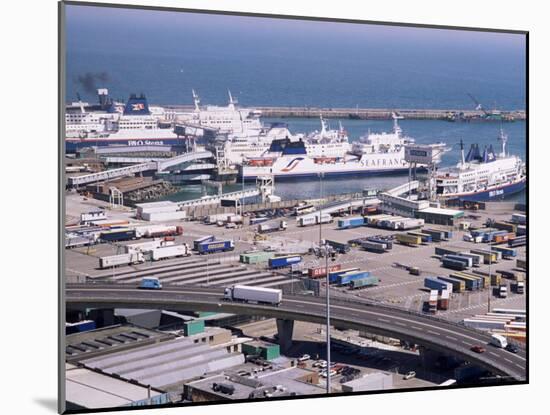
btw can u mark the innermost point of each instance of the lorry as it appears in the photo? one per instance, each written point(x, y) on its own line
point(507, 253)
point(117, 235)
point(340, 247)
point(369, 281)
point(134, 257)
point(499, 341)
point(283, 261)
point(386, 240)
point(373, 246)
point(272, 227)
point(202, 240)
point(334, 275)
point(348, 277)
point(155, 231)
point(210, 247)
point(405, 239)
point(150, 283)
point(353, 222)
point(468, 262)
point(432, 302)
point(453, 264)
point(425, 237)
point(443, 301)
point(248, 294)
point(458, 285)
point(434, 283)
point(321, 271)
point(173, 251)
point(147, 246)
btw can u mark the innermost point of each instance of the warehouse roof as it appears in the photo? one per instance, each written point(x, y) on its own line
point(89, 389)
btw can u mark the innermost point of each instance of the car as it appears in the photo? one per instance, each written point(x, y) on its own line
point(304, 357)
point(409, 375)
point(477, 348)
point(325, 374)
point(511, 348)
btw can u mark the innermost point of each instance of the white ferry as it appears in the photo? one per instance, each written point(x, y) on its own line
point(374, 154)
point(482, 176)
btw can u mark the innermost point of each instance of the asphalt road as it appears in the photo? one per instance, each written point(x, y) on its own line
point(431, 333)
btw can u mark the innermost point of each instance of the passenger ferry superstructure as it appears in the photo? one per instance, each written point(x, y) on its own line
point(486, 176)
point(243, 147)
point(230, 119)
point(374, 154)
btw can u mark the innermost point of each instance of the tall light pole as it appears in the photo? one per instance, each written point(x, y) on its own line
point(321, 174)
point(490, 285)
point(327, 253)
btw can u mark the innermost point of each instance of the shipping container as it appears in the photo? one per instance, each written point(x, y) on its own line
point(446, 251)
point(340, 247)
point(517, 241)
point(216, 246)
point(284, 261)
point(345, 279)
point(373, 246)
point(147, 246)
point(117, 235)
point(459, 286)
point(471, 283)
point(468, 262)
point(432, 302)
point(425, 237)
point(437, 236)
point(79, 326)
point(477, 259)
point(202, 240)
point(410, 240)
point(519, 218)
point(163, 216)
point(507, 253)
point(453, 264)
point(386, 240)
point(443, 301)
point(133, 257)
point(522, 230)
point(521, 263)
point(193, 327)
point(307, 220)
point(488, 256)
point(370, 281)
point(272, 227)
point(321, 271)
point(333, 275)
point(433, 283)
point(348, 223)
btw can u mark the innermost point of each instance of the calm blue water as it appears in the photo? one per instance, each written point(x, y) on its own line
point(296, 63)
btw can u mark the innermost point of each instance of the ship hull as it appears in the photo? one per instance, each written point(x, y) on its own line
point(495, 193)
point(72, 146)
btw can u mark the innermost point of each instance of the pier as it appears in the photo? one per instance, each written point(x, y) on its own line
point(383, 113)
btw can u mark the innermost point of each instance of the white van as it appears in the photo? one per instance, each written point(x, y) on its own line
point(499, 341)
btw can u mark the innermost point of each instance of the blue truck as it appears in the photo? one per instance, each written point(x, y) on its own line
point(334, 275)
point(117, 235)
point(202, 240)
point(150, 283)
point(284, 261)
point(346, 278)
point(210, 247)
point(453, 264)
point(348, 223)
point(507, 253)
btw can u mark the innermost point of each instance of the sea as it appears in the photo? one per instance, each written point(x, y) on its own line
point(278, 62)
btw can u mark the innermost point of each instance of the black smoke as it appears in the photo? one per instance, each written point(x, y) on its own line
point(91, 81)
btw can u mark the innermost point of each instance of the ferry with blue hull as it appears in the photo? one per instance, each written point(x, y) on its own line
point(482, 176)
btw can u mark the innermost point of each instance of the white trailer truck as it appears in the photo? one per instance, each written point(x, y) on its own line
point(122, 259)
point(499, 341)
point(170, 252)
point(257, 295)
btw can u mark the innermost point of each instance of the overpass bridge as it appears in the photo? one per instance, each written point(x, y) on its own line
point(434, 334)
point(157, 165)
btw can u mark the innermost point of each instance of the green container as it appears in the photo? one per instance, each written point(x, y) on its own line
point(270, 352)
point(250, 349)
point(193, 327)
point(201, 314)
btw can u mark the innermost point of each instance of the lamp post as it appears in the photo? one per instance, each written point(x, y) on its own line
point(327, 253)
point(321, 174)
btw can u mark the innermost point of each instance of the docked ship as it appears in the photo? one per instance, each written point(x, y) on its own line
point(482, 176)
point(136, 123)
point(374, 154)
point(252, 146)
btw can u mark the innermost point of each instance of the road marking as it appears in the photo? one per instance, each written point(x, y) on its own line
point(434, 333)
point(452, 338)
point(508, 360)
point(384, 320)
point(416, 328)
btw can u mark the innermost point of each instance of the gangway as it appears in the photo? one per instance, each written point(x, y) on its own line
point(158, 165)
point(211, 200)
point(404, 188)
